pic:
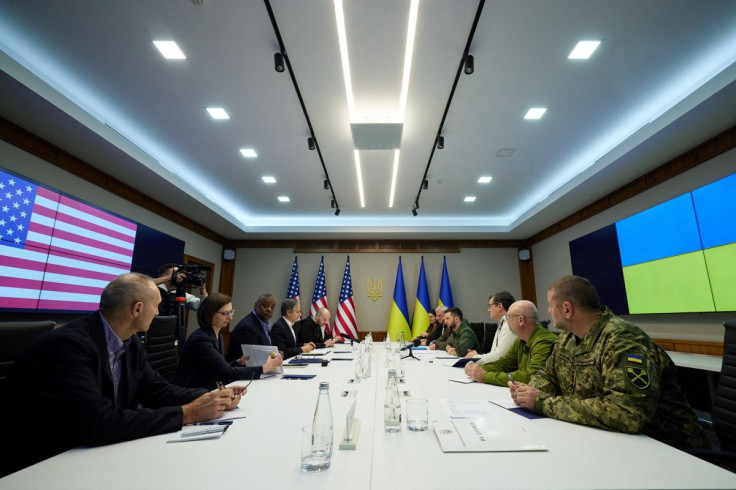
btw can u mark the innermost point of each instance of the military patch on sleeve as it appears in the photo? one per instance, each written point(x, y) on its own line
point(637, 376)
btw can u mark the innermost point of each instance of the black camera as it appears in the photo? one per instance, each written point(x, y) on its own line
point(194, 275)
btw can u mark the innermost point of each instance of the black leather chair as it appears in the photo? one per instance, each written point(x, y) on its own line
point(724, 406)
point(485, 333)
point(15, 337)
point(160, 345)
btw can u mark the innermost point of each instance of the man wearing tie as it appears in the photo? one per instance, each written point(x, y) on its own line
point(254, 329)
point(282, 332)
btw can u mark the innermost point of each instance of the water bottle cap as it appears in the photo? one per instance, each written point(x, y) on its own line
point(391, 372)
point(324, 384)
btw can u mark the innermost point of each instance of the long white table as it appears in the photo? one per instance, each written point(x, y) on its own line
point(263, 450)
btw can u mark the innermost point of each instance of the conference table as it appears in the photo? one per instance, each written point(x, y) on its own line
point(263, 449)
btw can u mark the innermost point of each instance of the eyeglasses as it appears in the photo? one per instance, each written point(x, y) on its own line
point(227, 313)
point(493, 304)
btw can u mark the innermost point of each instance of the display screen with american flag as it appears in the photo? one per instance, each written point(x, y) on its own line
point(345, 323)
point(56, 252)
point(293, 291)
point(319, 298)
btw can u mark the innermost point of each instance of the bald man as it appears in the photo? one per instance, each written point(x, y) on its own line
point(314, 330)
point(527, 354)
point(88, 383)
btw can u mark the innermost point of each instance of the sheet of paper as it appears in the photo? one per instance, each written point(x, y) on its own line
point(459, 408)
point(463, 380)
point(484, 434)
point(198, 433)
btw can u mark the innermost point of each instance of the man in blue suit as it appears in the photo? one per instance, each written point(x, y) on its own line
point(282, 332)
point(254, 328)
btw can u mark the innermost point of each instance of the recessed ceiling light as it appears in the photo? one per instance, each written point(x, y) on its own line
point(170, 50)
point(268, 179)
point(485, 179)
point(535, 113)
point(505, 152)
point(469, 198)
point(218, 113)
point(583, 50)
point(248, 152)
point(284, 199)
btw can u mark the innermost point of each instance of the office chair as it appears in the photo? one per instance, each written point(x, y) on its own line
point(15, 337)
point(545, 323)
point(724, 406)
point(160, 346)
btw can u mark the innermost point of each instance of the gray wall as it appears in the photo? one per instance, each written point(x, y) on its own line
point(552, 256)
point(474, 274)
point(30, 166)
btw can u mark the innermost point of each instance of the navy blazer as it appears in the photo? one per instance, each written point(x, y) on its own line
point(247, 331)
point(202, 364)
point(64, 395)
point(281, 336)
point(309, 331)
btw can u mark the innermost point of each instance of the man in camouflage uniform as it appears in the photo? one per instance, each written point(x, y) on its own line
point(605, 372)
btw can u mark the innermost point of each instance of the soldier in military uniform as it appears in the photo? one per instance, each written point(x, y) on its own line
point(606, 372)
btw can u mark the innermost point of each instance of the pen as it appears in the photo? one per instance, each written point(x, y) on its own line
point(511, 378)
point(202, 432)
point(221, 422)
point(220, 386)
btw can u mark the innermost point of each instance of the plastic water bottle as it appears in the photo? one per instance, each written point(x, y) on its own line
point(323, 412)
point(392, 405)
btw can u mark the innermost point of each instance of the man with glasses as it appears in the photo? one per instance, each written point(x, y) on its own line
point(527, 354)
point(282, 332)
point(608, 373)
point(498, 306)
point(88, 383)
point(254, 328)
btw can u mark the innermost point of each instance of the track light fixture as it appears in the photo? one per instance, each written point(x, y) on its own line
point(337, 212)
point(332, 203)
point(310, 144)
point(469, 64)
point(414, 211)
point(440, 144)
point(278, 62)
point(425, 184)
point(326, 184)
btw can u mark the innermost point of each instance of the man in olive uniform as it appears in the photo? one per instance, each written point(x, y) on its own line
point(527, 354)
point(462, 338)
point(605, 372)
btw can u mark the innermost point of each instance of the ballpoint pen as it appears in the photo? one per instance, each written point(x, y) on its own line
point(221, 422)
point(511, 378)
point(202, 432)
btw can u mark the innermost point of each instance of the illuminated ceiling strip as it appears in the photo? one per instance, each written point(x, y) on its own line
point(408, 54)
point(393, 177)
point(343, 41)
point(359, 173)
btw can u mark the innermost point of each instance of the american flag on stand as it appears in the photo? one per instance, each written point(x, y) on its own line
point(57, 253)
point(293, 291)
point(345, 323)
point(319, 299)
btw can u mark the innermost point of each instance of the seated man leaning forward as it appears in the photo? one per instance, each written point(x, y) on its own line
point(254, 328)
point(462, 338)
point(527, 354)
point(88, 383)
point(606, 372)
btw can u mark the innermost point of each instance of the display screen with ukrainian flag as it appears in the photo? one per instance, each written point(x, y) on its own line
point(676, 257)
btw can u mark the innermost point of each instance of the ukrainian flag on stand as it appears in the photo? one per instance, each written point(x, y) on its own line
point(398, 320)
point(420, 320)
point(445, 291)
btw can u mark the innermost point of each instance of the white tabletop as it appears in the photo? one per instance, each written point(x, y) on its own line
point(263, 450)
point(696, 361)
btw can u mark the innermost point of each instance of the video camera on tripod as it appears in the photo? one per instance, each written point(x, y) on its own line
point(193, 275)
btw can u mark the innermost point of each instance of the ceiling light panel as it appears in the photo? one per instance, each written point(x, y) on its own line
point(284, 199)
point(535, 113)
point(268, 179)
point(218, 113)
point(485, 179)
point(248, 152)
point(469, 199)
point(583, 50)
point(169, 50)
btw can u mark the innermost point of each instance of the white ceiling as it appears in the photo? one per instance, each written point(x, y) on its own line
point(84, 75)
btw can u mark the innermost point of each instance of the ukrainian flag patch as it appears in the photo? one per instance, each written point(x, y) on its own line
point(634, 358)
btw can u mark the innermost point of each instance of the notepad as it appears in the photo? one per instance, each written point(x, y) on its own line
point(198, 433)
point(298, 376)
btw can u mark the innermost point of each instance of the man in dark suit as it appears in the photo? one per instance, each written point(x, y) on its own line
point(313, 330)
point(282, 332)
point(89, 383)
point(254, 328)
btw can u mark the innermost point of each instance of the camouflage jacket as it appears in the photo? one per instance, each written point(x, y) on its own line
point(522, 360)
point(618, 379)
